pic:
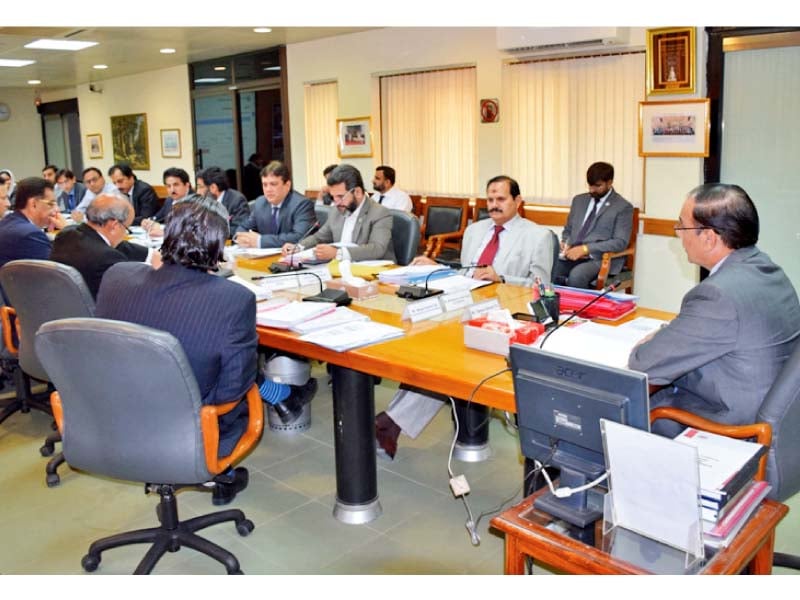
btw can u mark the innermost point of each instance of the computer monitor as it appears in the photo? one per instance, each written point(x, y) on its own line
point(560, 402)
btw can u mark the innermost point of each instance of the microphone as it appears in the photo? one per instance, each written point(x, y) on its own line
point(338, 297)
point(606, 290)
point(415, 292)
point(278, 267)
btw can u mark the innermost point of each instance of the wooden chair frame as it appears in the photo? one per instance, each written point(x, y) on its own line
point(630, 259)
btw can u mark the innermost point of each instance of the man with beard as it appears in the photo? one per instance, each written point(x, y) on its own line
point(385, 191)
point(599, 221)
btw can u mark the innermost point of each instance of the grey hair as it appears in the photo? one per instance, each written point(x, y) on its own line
point(101, 213)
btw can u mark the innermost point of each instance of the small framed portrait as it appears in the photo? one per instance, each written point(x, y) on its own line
point(670, 60)
point(490, 110)
point(171, 143)
point(679, 128)
point(95, 143)
point(355, 137)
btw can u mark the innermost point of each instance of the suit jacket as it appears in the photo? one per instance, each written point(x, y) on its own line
point(611, 230)
point(238, 209)
point(295, 219)
point(526, 249)
point(144, 200)
point(372, 232)
point(63, 198)
point(213, 318)
point(19, 238)
point(723, 351)
point(83, 248)
point(251, 181)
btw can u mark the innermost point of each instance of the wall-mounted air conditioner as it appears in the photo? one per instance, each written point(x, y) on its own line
point(554, 39)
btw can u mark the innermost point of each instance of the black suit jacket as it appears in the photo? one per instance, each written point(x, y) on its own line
point(144, 200)
point(238, 209)
point(213, 318)
point(83, 248)
point(294, 220)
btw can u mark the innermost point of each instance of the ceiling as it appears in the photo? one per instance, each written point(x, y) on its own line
point(130, 50)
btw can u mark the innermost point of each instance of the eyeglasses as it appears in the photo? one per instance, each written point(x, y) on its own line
point(50, 203)
point(341, 198)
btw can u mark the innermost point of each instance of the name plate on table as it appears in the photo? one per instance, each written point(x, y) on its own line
point(480, 308)
point(419, 310)
point(456, 300)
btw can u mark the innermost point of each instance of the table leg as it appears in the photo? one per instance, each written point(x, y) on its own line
point(472, 443)
point(762, 561)
point(515, 559)
point(354, 442)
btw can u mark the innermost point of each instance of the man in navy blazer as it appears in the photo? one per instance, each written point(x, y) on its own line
point(214, 183)
point(72, 192)
point(278, 217)
point(142, 196)
point(600, 221)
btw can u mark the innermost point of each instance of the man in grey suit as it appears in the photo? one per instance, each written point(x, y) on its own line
point(72, 192)
point(598, 222)
point(213, 182)
point(278, 217)
point(361, 227)
point(513, 250)
point(735, 329)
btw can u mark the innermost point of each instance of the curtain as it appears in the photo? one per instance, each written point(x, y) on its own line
point(321, 110)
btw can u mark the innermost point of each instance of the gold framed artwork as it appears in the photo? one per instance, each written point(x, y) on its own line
point(129, 140)
point(670, 60)
point(95, 143)
point(171, 143)
point(679, 128)
point(354, 137)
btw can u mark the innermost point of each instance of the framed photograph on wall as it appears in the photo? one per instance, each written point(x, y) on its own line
point(678, 128)
point(129, 140)
point(355, 137)
point(95, 143)
point(171, 143)
point(670, 60)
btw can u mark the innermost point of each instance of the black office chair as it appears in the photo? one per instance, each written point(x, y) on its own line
point(405, 236)
point(321, 212)
point(41, 291)
point(128, 407)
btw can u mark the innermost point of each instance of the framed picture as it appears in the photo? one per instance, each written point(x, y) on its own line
point(490, 110)
point(674, 128)
point(95, 143)
point(171, 143)
point(129, 140)
point(355, 137)
point(670, 60)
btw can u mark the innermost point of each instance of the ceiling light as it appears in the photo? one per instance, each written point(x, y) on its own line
point(210, 80)
point(72, 45)
point(12, 62)
point(34, 81)
point(167, 51)
point(220, 68)
point(100, 67)
point(262, 29)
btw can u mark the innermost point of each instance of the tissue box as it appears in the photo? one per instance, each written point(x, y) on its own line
point(361, 292)
point(495, 337)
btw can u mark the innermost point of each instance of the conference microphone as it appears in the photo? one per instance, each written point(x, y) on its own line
point(338, 297)
point(606, 290)
point(279, 267)
point(415, 292)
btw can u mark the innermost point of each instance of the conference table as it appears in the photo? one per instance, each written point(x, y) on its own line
point(431, 355)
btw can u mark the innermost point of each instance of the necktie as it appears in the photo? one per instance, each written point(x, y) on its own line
point(490, 251)
point(587, 224)
point(380, 200)
point(274, 219)
point(71, 201)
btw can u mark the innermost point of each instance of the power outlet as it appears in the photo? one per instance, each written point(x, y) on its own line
point(459, 486)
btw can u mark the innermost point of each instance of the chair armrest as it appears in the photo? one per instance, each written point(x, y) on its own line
point(209, 424)
point(435, 242)
point(58, 411)
point(605, 264)
point(761, 431)
point(6, 314)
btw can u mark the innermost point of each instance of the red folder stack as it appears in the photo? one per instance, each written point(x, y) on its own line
point(572, 299)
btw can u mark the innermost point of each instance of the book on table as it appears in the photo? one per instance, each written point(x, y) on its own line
point(721, 533)
point(285, 316)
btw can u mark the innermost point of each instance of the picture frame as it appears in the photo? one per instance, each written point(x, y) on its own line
point(354, 137)
point(670, 58)
point(94, 141)
point(170, 143)
point(490, 110)
point(679, 128)
point(129, 140)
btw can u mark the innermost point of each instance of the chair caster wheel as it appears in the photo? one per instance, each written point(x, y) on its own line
point(245, 527)
point(53, 479)
point(90, 563)
point(46, 450)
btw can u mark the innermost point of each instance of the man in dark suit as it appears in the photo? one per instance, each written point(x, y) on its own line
point(176, 180)
point(361, 226)
point(600, 221)
point(278, 217)
point(141, 195)
point(98, 243)
point(72, 192)
point(251, 176)
point(215, 182)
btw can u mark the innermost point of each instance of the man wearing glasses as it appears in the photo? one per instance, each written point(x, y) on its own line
point(98, 243)
point(736, 328)
point(358, 228)
point(22, 230)
point(95, 185)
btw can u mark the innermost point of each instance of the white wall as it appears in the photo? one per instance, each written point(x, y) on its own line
point(355, 61)
point(21, 145)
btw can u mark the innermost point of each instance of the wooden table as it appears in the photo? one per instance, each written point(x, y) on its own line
point(527, 534)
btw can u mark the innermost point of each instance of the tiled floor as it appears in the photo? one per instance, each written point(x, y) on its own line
point(290, 499)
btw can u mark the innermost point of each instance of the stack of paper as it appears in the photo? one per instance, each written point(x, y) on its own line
point(456, 283)
point(721, 533)
point(414, 274)
point(292, 313)
point(260, 292)
point(341, 315)
point(352, 335)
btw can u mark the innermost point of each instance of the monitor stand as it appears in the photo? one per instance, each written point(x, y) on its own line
point(582, 508)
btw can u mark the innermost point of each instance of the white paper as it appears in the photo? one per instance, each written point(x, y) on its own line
point(352, 335)
point(341, 315)
point(292, 313)
point(261, 293)
point(454, 283)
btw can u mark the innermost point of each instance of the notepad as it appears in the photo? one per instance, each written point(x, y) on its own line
point(353, 335)
point(292, 313)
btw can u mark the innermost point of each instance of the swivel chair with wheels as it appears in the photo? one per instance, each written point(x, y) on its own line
point(128, 406)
